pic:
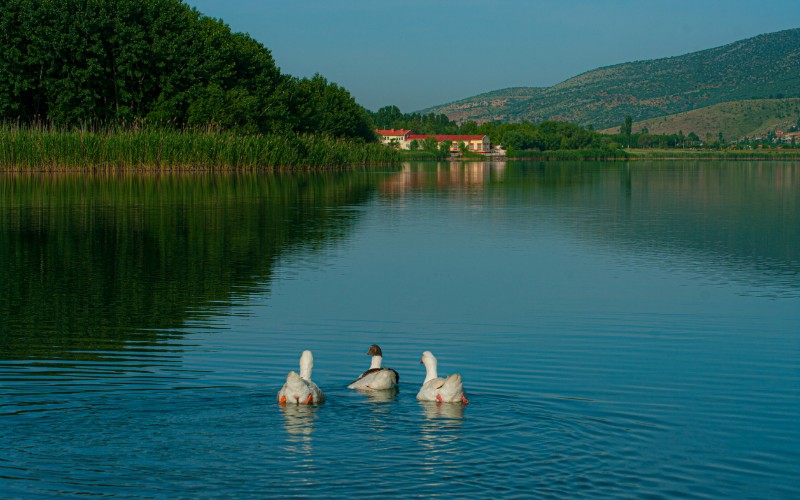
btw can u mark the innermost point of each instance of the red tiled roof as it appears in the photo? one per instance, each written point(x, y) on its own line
point(401, 132)
point(441, 138)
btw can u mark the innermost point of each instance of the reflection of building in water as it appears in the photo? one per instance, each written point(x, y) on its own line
point(447, 175)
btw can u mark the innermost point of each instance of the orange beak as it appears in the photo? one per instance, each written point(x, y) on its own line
point(283, 400)
point(308, 400)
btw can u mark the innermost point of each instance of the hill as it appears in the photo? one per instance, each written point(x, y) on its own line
point(490, 106)
point(734, 120)
point(762, 67)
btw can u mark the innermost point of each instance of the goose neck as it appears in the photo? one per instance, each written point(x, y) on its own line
point(430, 371)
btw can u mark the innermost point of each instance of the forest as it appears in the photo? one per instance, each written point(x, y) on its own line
point(134, 63)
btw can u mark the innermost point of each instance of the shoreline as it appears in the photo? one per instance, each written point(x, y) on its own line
point(24, 149)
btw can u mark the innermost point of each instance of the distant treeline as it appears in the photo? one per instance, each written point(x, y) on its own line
point(390, 117)
point(528, 139)
point(515, 137)
point(645, 140)
point(139, 63)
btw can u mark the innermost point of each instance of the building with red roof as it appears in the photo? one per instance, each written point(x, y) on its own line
point(403, 139)
point(392, 134)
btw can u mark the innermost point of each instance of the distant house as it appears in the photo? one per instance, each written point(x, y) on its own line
point(392, 136)
point(403, 138)
point(789, 136)
point(474, 143)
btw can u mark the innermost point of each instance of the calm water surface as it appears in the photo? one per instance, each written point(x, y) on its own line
point(623, 330)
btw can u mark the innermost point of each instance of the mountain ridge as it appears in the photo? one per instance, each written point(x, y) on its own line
point(764, 66)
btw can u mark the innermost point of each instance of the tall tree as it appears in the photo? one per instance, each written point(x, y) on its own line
point(112, 62)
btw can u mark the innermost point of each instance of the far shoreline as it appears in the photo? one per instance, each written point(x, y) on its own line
point(629, 155)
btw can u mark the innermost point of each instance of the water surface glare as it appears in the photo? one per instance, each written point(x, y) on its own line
point(623, 330)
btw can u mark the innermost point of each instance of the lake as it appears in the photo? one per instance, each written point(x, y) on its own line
point(623, 329)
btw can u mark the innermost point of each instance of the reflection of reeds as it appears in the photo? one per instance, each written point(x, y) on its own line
point(167, 237)
point(45, 148)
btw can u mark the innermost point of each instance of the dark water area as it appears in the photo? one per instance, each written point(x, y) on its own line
point(622, 329)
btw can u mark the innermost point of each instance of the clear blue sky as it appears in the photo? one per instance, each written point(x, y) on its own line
point(420, 53)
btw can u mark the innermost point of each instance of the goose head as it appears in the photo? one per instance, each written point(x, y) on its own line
point(429, 360)
point(377, 356)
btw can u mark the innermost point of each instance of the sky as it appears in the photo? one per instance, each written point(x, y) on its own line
point(420, 53)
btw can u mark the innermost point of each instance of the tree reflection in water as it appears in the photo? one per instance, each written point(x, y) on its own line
point(92, 263)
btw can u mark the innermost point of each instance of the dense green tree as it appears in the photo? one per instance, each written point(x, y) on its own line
point(516, 140)
point(444, 148)
point(120, 62)
point(626, 129)
point(628, 125)
point(431, 145)
point(322, 107)
point(469, 128)
point(387, 116)
point(390, 117)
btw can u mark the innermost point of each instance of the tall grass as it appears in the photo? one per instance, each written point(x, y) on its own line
point(51, 149)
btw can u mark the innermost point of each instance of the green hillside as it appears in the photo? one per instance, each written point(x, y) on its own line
point(490, 106)
point(734, 120)
point(763, 67)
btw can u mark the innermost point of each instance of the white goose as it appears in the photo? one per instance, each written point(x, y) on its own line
point(435, 388)
point(295, 391)
point(376, 378)
point(300, 389)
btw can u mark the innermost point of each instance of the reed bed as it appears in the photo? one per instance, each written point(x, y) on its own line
point(42, 148)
